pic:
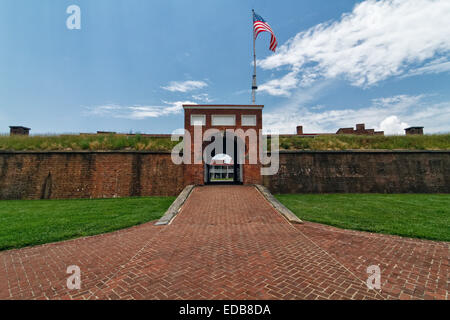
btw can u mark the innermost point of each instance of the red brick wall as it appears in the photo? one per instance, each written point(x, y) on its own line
point(194, 174)
point(36, 175)
point(361, 172)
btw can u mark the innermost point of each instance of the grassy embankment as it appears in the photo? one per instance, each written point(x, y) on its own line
point(140, 142)
point(92, 142)
point(350, 142)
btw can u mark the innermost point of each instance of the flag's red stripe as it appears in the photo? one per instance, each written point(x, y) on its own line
point(259, 27)
point(257, 23)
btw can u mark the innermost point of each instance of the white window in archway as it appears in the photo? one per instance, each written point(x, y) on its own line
point(224, 158)
point(222, 168)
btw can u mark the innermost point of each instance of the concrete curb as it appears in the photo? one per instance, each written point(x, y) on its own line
point(175, 206)
point(288, 214)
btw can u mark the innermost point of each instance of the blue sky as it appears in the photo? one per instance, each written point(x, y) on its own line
point(134, 62)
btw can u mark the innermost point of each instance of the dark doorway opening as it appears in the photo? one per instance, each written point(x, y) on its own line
point(224, 167)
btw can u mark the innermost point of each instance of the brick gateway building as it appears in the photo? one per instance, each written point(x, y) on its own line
point(225, 132)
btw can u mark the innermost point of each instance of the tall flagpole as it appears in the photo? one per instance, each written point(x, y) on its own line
point(254, 86)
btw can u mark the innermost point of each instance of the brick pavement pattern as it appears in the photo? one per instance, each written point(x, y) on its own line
point(228, 242)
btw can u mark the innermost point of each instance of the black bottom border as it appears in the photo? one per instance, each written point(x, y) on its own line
point(227, 309)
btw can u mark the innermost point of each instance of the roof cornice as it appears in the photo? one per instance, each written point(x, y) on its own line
point(223, 106)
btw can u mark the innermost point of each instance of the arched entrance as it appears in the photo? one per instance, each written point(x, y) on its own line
point(223, 165)
point(242, 121)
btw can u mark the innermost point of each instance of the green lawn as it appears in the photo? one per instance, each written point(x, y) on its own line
point(413, 215)
point(32, 222)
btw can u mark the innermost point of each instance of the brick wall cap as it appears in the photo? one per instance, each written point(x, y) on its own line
point(169, 152)
point(82, 151)
point(224, 106)
point(363, 151)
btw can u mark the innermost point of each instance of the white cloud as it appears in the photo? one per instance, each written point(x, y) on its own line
point(282, 86)
point(435, 66)
point(303, 96)
point(185, 86)
point(138, 112)
point(377, 40)
point(202, 97)
point(392, 114)
point(392, 125)
point(104, 109)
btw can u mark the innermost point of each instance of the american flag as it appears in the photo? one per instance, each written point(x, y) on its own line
point(260, 25)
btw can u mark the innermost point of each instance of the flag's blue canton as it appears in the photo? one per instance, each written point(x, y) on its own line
point(257, 17)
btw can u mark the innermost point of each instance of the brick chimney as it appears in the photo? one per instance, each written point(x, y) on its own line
point(360, 127)
point(299, 130)
point(19, 130)
point(414, 130)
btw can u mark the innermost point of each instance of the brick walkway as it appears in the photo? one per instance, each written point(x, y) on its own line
point(410, 268)
point(228, 243)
